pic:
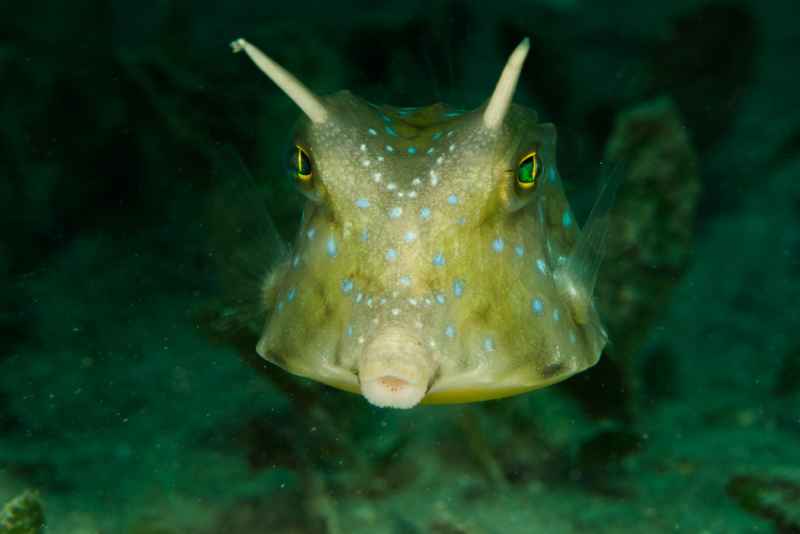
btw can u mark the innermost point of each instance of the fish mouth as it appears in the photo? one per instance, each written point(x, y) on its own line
point(395, 369)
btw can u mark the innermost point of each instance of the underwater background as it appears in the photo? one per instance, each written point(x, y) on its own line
point(126, 408)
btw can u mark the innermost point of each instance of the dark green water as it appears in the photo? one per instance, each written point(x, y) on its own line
point(127, 408)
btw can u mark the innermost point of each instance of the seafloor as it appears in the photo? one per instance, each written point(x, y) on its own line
point(127, 416)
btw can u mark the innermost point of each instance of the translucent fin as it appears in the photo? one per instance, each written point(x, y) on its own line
point(244, 245)
point(587, 256)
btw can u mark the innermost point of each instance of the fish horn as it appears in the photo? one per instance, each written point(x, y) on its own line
point(500, 101)
point(298, 92)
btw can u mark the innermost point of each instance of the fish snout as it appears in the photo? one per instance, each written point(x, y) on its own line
point(395, 369)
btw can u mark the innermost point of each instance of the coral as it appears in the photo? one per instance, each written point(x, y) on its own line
point(22, 515)
point(773, 498)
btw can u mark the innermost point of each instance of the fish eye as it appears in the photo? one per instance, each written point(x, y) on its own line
point(530, 167)
point(300, 164)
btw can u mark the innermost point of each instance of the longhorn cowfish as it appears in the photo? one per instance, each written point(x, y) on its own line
point(438, 260)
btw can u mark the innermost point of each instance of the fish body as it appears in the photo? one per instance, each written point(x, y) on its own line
point(438, 260)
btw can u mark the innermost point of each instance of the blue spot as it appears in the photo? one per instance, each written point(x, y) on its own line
point(461, 220)
point(453, 113)
point(391, 131)
point(425, 214)
point(405, 280)
point(497, 245)
point(389, 148)
point(386, 118)
point(566, 219)
point(311, 233)
point(404, 112)
point(458, 287)
point(452, 200)
point(410, 236)
point(551, 175)
point(430, 151)
point(450, 331)
point(349, 330)
point(280, 306)
point(440, 298)
point(438, 260)
point(395, 212)
point(347, 286)
point(412, 150)
point(488, 344)
point(556, 315)
point(365, 235)
point(537, 306)
point(572, 337)
point(372, 131)
point(437, 136)
point(362, 203)
point(519, 249)
point(391, 254)
point(541, 265)
point(290, 296)
point(331, 247)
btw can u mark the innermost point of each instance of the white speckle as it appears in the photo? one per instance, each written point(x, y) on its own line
point(362, 203)
point(369, 302)
point(295, 261)
point(379, 158)
point(410, 236)
point(311, 233)
point(519, 249)
point(389, 148)
point(440, 160)
point(541, 265)
point(440, 298)
point(372, 131)
point(359, 297)
point(405, 280)
point(395, 212)
point(412, 301)
point(430, 151)
point(400, 194)
point(425, 214)
point(416, 181)
point(452, 200)
point(428, 301)
point(452, 147)
point(395, 311)
point(432, 343)
point(497, 245)
point(376, 176)
point(395, 293)
point(391, 186)
point(488, 344)
point(434, 178)
point(391, 254)
point(450, 331)
point(412, 194)
point(363, 147)
point(360, 340)
point(330, 247)
point(450, 133)
point(375, 320)
point(365, 162)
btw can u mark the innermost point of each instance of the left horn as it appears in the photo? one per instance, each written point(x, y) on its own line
point(298, 92)
point(500, 101)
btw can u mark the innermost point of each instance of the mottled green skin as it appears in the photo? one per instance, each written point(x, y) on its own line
point(487, 340)
point(22, 515)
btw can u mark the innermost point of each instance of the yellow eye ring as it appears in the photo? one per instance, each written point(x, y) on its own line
point(300, 164)
point(530, 167)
